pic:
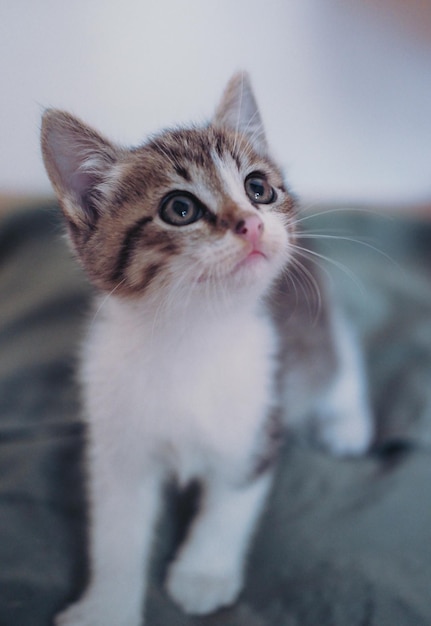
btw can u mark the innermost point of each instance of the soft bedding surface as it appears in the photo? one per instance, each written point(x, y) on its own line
point(342, 542)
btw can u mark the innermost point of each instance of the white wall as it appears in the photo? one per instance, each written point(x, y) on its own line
point(344, 87)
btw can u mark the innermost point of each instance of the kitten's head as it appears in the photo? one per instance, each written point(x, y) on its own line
point(201, 209)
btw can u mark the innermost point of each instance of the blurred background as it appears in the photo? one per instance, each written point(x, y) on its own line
point(344, 87)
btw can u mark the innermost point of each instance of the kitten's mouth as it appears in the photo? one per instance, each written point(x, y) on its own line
point(251, 258)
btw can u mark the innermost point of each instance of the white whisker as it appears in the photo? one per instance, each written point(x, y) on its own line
point(361, 242)
point(318, 213)
point(105, 300)
point(313, 284)
point(313, 255)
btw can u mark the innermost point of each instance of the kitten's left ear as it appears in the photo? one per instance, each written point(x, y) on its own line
point(238, 111)
point(81, 165)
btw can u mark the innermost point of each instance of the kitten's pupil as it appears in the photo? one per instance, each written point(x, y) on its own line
point(257, 189)
point(180, 207)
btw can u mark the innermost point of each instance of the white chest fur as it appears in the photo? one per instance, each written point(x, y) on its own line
point(193, 395)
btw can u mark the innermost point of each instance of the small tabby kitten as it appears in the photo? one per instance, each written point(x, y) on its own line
point(202, 347)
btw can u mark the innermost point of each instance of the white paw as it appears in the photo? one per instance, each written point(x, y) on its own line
point(200, 592)
point(89, 613)
point(76, 615)
point(346, 435)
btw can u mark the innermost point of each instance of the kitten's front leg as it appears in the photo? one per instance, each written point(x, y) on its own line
point(344, 421)
point(209, 568)
point(123, 507)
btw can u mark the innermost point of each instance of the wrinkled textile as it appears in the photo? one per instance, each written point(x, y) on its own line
point(341, 543)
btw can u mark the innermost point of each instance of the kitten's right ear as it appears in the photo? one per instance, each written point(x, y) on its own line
point(238, 111)
point(80, 164)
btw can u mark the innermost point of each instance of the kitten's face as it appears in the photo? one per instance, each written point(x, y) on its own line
point(199, 210)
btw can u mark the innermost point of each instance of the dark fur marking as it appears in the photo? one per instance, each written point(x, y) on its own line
point(210, 218)
point(131, 238)
point(169, 247)
point(150, 273)
point(181, 171)
point(218, 146)
point(274, 432)
point(237, 160)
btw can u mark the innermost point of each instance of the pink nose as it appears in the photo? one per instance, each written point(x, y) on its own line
point(250, 228)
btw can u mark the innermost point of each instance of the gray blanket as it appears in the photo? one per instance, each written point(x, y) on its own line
point(342, 542)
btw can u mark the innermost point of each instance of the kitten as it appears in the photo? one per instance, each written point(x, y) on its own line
point(203, 346)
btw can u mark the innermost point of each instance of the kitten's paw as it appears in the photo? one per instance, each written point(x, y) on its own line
point(200, 592)
point(88, 613)
point(346, 435)
point(76, 615)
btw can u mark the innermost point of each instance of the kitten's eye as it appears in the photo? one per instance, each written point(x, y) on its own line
point(180, 209)
point(259, 190)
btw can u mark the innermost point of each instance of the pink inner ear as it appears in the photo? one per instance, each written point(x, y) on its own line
point(80, 184)
point(84, 188)
point(68, 158)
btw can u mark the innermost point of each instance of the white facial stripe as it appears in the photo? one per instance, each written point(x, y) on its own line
point(200, 187)
point(232, 180)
